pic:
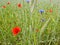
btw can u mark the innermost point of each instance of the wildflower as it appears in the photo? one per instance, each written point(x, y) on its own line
point(41, 11)
point(37, 30)
point(8, 3)
point(27, 1)
point(50, 10)
point(19, 5)
point(43, 20)
point(16, 30)
point(3, 6)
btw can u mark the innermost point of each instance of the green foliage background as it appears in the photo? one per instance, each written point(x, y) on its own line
point(48, 30)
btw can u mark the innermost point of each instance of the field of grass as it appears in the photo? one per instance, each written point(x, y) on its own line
point(36, 28)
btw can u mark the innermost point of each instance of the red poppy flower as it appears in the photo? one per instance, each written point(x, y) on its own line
point(16, 30)
point(8, 3)
point(51, 10)
point(19, 5)
point(3, 6)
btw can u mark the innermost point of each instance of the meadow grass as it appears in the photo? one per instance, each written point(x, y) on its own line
point(37, 28)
